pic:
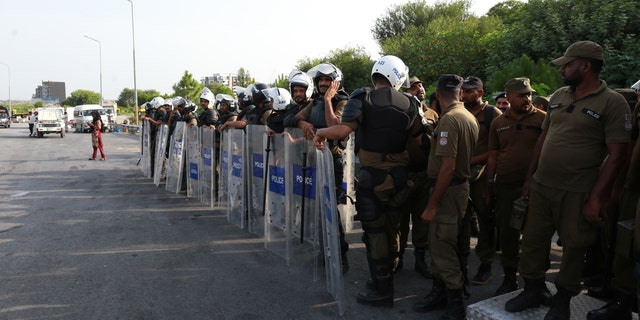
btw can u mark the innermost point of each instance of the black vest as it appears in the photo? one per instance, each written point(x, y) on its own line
point(388, 115)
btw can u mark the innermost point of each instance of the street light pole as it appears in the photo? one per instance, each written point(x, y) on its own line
point(9, 70)
point(99, 47)
point(135, 88)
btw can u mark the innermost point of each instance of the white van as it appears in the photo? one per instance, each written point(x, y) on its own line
point(50, 120)
point(82, 116)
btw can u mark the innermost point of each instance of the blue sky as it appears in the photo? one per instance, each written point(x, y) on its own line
point(43, 40)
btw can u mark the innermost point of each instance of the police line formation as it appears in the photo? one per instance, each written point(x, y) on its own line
point(298, 166)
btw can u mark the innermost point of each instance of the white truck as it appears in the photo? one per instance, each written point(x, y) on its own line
point(82, 116)
point(111, 108)
point(50, 120)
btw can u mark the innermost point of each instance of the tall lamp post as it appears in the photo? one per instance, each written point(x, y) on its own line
point(9, 69)
point(135, 88)
point(99, 47)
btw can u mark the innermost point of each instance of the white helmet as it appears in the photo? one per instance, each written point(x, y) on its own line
point(169, 103)
point(281, 97)
point(392, 68)
point(207, 95)
point(156, 102)
point(636, 87)
point(325, 69)
point(229, 100)
point(298, 78)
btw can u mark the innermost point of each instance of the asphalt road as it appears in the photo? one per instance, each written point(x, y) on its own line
point(86, 239)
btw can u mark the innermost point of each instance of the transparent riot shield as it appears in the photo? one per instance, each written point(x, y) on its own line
point(175, 164)
point(208, 166)
point(257, 152)
point(346, 206)
point(304, 223)
point(145, 160)
point(161, 149)
point(192, 143)
point(330, 228)
point(223, 170)
point(277, 206)
point(237, 192)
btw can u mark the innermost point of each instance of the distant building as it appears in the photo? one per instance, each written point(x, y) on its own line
point(218, 78)
point(50, 91)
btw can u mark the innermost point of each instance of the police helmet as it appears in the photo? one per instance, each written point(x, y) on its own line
point(298, 78)
point(325, 69)
point(392, 68)
point(155, 103)
point(225, 98)
point(190, 107)
point(207, 95)
point(281, 97)
point(179, 102)
point(256, 96)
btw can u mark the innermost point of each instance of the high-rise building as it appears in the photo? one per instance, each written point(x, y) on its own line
point(51, 91)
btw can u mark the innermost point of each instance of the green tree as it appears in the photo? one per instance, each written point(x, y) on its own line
point(282, 81)
point(243, 78)
point(399, 18)
point(38, 104)
point(543, 29)
point(217, 88)
point(544, 77)
point(80, 96)
point(449, 44)
point(188, 87)
point(126, 97)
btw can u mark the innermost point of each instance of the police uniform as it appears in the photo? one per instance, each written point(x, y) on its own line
point(455, 136)
point(314, 113)
point(513, 137)
point(384, 119)
point(485, 248)
point(624, 282)
point(208, 117)
point(412, 209)
point(569, 164)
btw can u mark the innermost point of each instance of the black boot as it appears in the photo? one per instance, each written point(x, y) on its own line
point(436, 299)
point(421, 265)
point(531, 297)
point(619, 309)
point(510, 282)
point(381, 296)
point(484, 274)
point(561, 305)
point(455, 306)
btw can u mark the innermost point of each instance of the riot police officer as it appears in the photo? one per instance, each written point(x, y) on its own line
point(383, 119)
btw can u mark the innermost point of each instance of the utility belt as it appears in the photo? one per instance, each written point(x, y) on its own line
point(454, 182)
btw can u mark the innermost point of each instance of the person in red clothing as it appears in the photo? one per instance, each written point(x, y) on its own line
point(96, 136)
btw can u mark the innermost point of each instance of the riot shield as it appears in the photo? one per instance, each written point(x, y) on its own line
point(175, 164)
point(223, 171)
point(276, 200)
point(145, 160)
point(304, 223)
point(192, 143)
point(330, 228)
point(161, 149)
point(237, 192)
point(346, 207)
point(208, 166)
point(257, 153)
